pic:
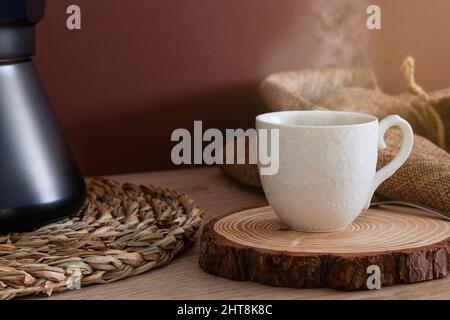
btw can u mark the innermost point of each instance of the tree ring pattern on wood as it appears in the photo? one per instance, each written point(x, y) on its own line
point(408, 246)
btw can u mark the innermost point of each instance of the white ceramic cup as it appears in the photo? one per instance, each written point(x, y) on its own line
point(327, 166)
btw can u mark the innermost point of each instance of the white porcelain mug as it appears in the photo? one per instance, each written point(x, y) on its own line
point(327, 166)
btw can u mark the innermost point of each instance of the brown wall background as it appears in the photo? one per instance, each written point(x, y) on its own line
point(140, 69)
point(420, 28)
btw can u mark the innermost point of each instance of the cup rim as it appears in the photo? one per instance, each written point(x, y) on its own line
point(264, 118)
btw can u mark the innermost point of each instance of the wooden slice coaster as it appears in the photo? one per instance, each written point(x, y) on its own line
point(407, 245)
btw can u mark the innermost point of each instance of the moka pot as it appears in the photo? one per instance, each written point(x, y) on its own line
point(39, 179)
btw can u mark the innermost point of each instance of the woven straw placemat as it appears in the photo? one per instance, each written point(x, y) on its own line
point(122, 231)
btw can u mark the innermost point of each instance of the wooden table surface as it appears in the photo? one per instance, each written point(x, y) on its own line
point(183, 278)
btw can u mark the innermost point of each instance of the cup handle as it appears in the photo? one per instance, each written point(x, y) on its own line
point(403, 154)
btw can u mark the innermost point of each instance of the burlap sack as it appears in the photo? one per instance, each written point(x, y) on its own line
point(425, 177)
point(355, 90)
point(303, 90)
point(431, 108)
point(440, 101)
point(377, 103)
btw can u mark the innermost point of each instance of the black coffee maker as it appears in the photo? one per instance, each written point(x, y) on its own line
point(39, 179)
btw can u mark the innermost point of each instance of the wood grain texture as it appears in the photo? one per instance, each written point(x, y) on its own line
point(254, 245)
point(184, 279)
